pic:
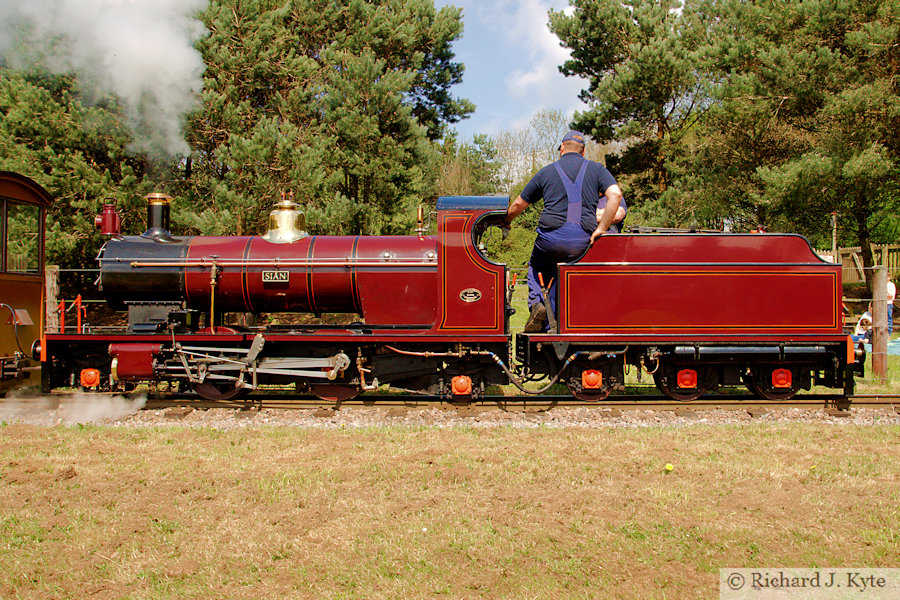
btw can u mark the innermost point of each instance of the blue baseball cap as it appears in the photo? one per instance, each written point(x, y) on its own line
point(573, 136)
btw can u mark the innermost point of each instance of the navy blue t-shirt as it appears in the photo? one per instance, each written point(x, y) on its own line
point(546, 184)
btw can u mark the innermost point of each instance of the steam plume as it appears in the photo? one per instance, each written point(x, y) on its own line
point(142, 51)
point(81, 407)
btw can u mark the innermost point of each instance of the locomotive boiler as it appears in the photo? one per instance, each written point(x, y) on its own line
point(285, 270)
point(430, 313)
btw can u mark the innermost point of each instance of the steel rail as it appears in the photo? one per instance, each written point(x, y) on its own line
point(292, 401)
point(517, 404)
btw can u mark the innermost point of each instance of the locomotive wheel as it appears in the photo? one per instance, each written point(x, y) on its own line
point(219, 391)
point(332, 392)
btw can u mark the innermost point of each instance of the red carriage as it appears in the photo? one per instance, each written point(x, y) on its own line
point(23, 204)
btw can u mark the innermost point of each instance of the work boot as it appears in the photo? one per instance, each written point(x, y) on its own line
point(535, 323)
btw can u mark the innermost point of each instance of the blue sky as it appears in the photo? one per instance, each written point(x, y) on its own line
point(512, 64)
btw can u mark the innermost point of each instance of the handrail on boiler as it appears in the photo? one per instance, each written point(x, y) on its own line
point(281, 263)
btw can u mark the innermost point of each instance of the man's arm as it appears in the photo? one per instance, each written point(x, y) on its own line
point(620, 214)
point(515, 209)
point(613, 200)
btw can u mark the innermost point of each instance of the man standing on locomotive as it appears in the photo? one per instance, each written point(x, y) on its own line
point(573, 217)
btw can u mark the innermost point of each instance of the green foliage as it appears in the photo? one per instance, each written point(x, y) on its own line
point(738, 113)
point(515, 250)
point(339, 101)
point(77, 153)
point(641, 59)
point(468, 169)
point(336, 100)
point(806, 115)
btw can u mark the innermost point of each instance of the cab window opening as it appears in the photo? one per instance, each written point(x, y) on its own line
point(21, 237)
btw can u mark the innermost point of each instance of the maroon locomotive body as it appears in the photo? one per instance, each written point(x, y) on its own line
point(696, 311)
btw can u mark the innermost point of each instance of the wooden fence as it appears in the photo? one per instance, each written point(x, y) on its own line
point(852, 263)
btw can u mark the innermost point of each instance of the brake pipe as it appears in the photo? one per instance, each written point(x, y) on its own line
point(512, 377)
point(522, 388)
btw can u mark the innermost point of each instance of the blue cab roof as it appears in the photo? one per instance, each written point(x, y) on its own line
point(472, 203)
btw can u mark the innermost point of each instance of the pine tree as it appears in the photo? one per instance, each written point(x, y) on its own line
point(468, 169)
point(806, 115)
point(335, 100)
point(77, 153)
point(641, 59)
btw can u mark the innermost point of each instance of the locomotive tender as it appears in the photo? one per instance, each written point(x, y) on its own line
point(697, 311)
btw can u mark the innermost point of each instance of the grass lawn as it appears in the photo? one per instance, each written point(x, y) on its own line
point(400, 512)
point(276, 512)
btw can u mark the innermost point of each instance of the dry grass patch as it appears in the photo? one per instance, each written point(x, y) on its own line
point(434, 513)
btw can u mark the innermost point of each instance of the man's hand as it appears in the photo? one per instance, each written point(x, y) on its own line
point(597, 233)
point(613, 200)
point(497, 221)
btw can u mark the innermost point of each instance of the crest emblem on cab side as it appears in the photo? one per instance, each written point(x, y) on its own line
point(470, 295)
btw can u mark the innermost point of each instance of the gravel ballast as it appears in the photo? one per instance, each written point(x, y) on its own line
point(123, 412)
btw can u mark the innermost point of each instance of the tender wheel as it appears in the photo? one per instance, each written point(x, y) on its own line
point(219, 391)
point(332, 392)
point(669, 387)
point(685, 382)
point(760, 383)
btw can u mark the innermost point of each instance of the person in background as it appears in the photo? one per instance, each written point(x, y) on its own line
point(572, 218)
point(891, 294)
point(863, 329)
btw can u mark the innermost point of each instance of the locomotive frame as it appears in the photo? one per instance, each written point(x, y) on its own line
point(695, 310)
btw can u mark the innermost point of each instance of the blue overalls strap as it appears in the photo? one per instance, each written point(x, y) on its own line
point(573, 191)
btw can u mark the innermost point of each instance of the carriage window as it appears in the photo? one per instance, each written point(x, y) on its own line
point(22, 238)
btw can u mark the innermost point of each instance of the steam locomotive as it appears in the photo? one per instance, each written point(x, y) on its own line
point(697, 311)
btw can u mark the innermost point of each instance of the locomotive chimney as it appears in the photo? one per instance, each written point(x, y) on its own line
point(286, 223)
point(158, 217)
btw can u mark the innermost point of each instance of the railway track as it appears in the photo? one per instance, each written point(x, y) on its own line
point(544, 403)
point(654, 402)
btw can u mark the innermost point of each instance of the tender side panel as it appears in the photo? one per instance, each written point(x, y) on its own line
point(713, 298)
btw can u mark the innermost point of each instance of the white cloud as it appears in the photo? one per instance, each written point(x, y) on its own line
point(512, 63)
point(539, 78)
